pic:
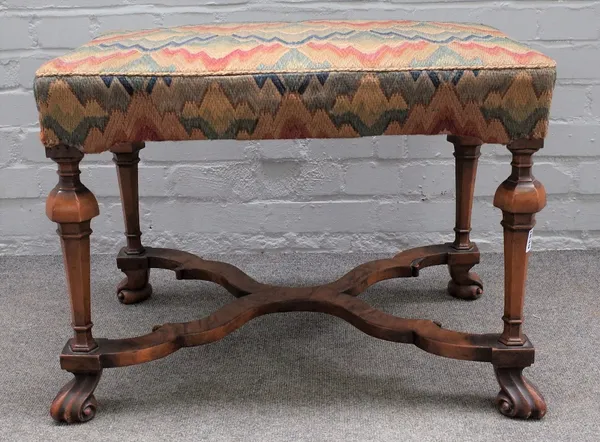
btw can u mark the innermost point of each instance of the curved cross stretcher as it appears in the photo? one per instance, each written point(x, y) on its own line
point(338, 298)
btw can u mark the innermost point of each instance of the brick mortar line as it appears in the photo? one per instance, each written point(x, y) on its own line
point(401, 163)
point(341, 7)
point(563, 161)
point(383, 199)
point(489, 242)
point(170, 167)
point(516, 4)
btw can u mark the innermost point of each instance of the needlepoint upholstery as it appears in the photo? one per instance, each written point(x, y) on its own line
point(315, 79)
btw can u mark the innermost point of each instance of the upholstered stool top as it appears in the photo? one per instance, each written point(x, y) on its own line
point(321, 79)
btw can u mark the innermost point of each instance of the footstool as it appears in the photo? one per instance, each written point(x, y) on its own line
point(315, 79)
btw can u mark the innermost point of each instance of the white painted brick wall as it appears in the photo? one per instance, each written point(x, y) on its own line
point(370, 194)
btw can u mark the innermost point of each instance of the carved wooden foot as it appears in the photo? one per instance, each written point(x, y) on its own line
point(518, 397)
point(464, 284)
point(135, 287)
point(75, 402)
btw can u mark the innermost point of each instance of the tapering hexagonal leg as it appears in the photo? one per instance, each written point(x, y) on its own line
point(72, 206)
point(519, 197)
point(464, 283)
point(135, 287)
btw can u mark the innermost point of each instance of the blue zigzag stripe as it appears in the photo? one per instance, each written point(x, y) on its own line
point(417, 37)
point(431, 40)
point(297, 42)
point(157, 48)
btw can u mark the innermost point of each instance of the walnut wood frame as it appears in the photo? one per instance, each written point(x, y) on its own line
point(72, 206)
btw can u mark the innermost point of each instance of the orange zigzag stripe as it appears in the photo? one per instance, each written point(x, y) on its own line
point(373, 57)
point(94, 60)
point(215, 64)
point(498, 50)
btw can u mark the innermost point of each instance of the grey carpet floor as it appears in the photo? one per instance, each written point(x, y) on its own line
point(302, 376)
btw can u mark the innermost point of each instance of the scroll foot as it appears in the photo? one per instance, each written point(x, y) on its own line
point(135, 287)
point(518, 397)
point(464, 284)
point(75, 402)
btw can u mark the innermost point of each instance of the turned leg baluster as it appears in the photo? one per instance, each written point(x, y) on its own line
point(135, 287)
point(520, 197)
point(72, 206)
point(464, 283)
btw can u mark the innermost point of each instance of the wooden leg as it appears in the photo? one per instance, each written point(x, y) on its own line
point(520, 197)
point(464, 283)
point(135, 287)
point(72, 206)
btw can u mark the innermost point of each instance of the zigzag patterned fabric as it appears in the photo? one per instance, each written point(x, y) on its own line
point(316, 79)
